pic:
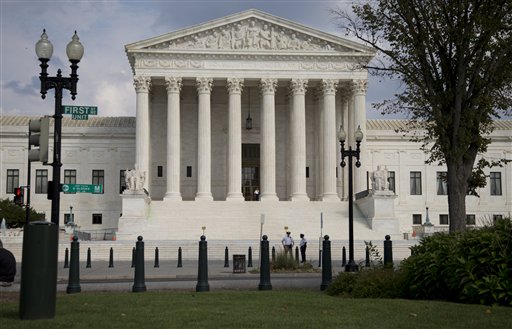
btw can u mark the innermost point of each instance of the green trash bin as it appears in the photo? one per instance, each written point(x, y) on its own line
point(38, 289)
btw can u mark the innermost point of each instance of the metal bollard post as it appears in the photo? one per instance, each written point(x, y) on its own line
point(367, 261)
point(202, 271)
point(226, 257)
point(326, 263)
point(297, 255)
point(88, 258)
point(273, 254)
point(157, 262)
point(249, 257)
point(265, 266)
point(180, 261)
point(343, 256)
point(66, 258)
point(133, 257)
point(139, 284)
point(111, 258)
point(388, 252)
point(74, 270)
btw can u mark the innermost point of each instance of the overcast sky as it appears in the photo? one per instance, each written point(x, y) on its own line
point(104, 28)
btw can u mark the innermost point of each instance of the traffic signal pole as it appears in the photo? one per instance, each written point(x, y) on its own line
point(29, 176)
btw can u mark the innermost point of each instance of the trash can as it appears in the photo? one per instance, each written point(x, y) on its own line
point(238, 263)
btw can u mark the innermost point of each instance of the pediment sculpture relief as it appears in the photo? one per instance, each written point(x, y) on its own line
point(249, 35)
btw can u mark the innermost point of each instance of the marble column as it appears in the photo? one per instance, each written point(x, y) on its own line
point(329, 140)
point(268, 88)
point(173, 85)
point(204, 143)
point(142, 85)
point(298, 140)
point(234, 86)
point(359, 88)
point(345, 95)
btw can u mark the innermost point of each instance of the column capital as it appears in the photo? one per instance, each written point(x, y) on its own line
point(204, 85)
point(142, 83)
point(173, 84)
point(298, 86)
point(359, 87)
point(268, 85)
point(329, 86)
point(235, 85)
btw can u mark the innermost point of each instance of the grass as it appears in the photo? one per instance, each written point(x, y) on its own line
point(254, 309)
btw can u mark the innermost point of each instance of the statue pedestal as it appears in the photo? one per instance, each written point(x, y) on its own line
point(425, 230)
point(379, 209)
point(134, 215)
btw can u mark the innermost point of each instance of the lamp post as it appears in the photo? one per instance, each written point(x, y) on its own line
point(44, 51)
point(351, 265)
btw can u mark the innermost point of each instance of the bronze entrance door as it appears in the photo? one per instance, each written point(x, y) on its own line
point(251, 172)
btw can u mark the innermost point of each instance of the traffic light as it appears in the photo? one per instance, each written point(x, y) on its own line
point(38, 137)
point(18, 196)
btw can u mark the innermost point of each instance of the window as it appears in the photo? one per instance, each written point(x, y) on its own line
point(391, 181)
point(442, 183)
point(69, 218)
point(470, 219)
point(122, 181)
point(13, 180)
point(495, 178)
point(443, 219)
point(416, 219)
point(41, 181)
point(160, 171)
point(97, 219)
point(496, 218)
point(98, 178)
point(307, 172)
point(69, 177)
point(415, 183)
point(189, 171)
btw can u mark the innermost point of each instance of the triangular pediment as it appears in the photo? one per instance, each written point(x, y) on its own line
point(251, 31)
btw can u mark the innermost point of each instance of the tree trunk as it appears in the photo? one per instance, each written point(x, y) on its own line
point(457, 175)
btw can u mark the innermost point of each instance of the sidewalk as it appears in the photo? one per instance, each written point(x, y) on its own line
point(99, 277)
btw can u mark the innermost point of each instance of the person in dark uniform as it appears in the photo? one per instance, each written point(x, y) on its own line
point(7, 266)
point(303, 245)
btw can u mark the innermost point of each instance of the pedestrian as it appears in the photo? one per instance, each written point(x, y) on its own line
point(303, 245)
point(288, 243)
point(7, 266)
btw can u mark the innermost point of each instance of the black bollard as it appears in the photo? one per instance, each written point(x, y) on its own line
point(326, 263)
point(226, 257)
point(202, 270)
point(343, 256)
point(111, 258)
point(139, 284)
point(66, 258)
point(157, 262)
point(388, 252)
point(180, 261)
point(320, 257)
point(367, 261)
point(74, 270)
point(273, 254)
point(249, 257)
point(133, 257)
point(265, 266)
point(297, 255)
point(88, 258)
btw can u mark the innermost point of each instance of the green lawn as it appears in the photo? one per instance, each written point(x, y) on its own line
point(254, 309)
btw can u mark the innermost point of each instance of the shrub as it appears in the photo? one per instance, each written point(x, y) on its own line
point(474, 266)
point(284, 262)
point(375, 283)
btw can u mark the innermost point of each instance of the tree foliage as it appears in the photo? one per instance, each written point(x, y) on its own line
point(454, 60)
point(15, 215)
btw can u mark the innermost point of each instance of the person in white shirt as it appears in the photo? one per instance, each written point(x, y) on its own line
point(303, 245)
point(288, 243)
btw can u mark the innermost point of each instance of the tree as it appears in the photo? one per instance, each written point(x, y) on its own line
point(454, 58)
point(15, 215)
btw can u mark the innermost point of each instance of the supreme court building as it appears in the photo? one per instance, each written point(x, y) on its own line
point(236, 133)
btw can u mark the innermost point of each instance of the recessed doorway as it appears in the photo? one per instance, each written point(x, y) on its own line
point(251, 172)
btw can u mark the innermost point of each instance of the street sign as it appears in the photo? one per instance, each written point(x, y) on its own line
point(79, 112)
point(82, 188)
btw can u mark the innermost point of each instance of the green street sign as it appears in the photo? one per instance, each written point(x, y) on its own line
point(79, 110)
point(79, 117)
point(82, 188)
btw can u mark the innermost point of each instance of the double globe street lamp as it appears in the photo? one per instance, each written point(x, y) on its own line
point(44, 51)
point(351, 265)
